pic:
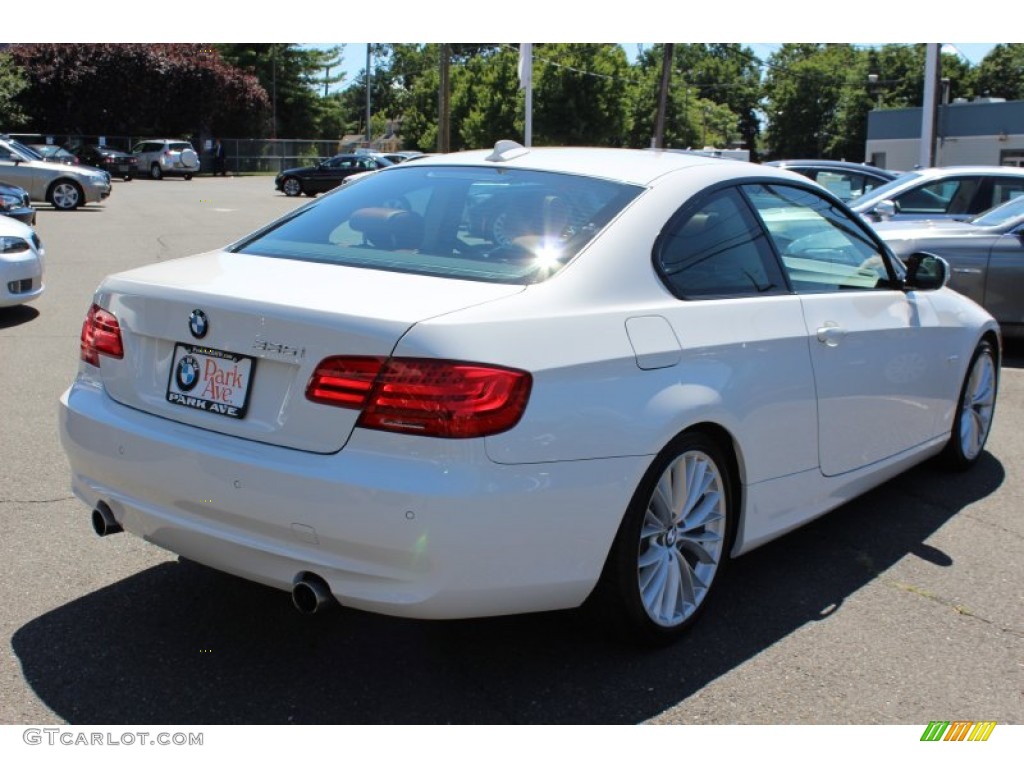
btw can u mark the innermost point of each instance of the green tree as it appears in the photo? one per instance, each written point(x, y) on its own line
point(294, 79)
point(815, 98)
point(486, 102)
point(1001, 73)
point(580, 94)
point(713, 96)
point(12, 82)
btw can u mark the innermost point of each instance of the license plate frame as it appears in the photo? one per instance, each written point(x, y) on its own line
point(211, 380)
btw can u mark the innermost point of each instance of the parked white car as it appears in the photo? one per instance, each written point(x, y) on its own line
point(21, 263)
point(954, 192)
point(166, 157)
point(65, 187)
point(656, 362)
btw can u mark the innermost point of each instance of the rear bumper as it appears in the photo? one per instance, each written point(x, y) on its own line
point(411, 527)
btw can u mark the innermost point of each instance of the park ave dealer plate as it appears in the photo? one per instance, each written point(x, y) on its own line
point(210, 380)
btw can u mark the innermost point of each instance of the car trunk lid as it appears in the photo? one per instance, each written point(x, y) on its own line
point(228, 342)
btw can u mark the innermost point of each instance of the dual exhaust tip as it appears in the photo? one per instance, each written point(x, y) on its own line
point(310, 593)
point(103, 520)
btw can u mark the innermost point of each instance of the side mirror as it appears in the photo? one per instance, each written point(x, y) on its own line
point(886, 209)
point(926, 272)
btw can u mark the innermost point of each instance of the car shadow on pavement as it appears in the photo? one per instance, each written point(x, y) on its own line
point(19, 315)
point(180, 643)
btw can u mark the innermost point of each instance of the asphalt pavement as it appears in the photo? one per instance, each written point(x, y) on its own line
point(903, 607)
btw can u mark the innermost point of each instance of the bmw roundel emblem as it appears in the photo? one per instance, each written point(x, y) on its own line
point(198, 324)
point(187, 374)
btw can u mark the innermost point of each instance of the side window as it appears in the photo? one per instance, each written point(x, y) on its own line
point(950, 196)
point(1004, 190)
point(822, 249)
point(717, 249)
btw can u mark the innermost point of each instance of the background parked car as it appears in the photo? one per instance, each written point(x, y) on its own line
point(65, 187)
point(956, 192)
point(166, 157)
point(985, 253)
point(847, 181)
point(21, 263)
point(119, 164)
point(15, 203)
point(327, 174)
point(56, 154)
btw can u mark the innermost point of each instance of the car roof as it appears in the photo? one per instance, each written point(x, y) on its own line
point(637, 166)
point(949, 170)
point(831, 164)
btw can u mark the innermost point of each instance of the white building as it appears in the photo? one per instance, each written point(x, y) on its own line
point(982, 132)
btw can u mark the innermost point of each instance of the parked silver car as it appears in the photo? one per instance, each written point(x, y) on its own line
point(166, 157)
point(985, 254)
point(65, 187)
point(956, 192)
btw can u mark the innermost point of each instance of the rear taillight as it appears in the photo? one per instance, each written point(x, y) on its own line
point(439, 398)
point(101, 335)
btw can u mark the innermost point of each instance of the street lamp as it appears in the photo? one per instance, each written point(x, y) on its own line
point(875, 89)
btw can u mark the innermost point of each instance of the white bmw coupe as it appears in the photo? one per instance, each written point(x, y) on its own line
point(507, 381)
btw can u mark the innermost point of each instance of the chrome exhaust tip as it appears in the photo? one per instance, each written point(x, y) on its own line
point(103, 520)
point(310, 594)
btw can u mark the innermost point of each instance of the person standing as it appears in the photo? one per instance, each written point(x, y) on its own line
point(219, 158)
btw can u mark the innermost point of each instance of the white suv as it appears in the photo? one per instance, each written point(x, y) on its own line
point(166, 157)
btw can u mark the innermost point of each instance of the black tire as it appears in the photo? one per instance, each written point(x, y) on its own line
point(155, 172)
point(974, 410)
point(660, 574)
point(65, 195)
point(128, 177)
point(188, 177)
point(291, 186)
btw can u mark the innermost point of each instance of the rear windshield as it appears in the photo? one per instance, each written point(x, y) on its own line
point(489, 224)
point(179, 146)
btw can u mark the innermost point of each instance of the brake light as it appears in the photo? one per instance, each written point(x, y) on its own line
point(438, 398)
point(101, 335)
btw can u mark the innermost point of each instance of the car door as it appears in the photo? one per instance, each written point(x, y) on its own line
point(17, 170)
point(332, 172)
point(1004, 280)
point(876, 351)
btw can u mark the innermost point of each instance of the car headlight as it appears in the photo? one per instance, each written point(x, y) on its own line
point(9, 202)
point(98, 181)
point(13, 244)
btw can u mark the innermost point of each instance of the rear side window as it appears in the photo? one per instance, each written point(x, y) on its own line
point(717, 249)
point(489, 224)
point(947, 196)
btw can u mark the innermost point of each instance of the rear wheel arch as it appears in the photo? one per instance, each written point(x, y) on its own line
point(618, 595)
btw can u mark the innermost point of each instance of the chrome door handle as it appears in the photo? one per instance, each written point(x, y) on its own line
point(831, 334)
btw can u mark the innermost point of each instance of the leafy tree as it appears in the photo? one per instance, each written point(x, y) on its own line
point(1001, 73)
point(12, 83)
point(812, 101)
point(486, 101)
point(293, 78)
point(580, 94)
point(712, 99)
point(174, 89)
